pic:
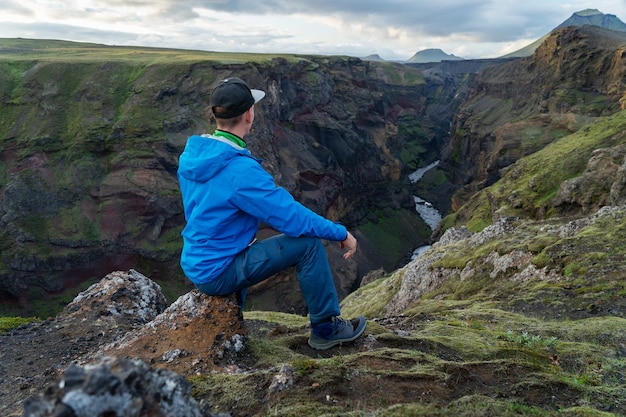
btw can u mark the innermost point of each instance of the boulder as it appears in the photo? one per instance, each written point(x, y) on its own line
point(115, 387)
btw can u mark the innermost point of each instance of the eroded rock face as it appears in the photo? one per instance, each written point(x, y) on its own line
point(422, 277)
point(516, 108)
point(116, 387)
point(601, 184)
point(329, 130)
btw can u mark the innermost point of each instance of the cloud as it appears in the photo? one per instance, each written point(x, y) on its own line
point(395, 29)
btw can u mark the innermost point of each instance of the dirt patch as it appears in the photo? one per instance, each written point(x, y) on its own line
point(196, 334)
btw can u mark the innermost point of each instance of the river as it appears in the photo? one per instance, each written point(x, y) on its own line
point(426, 210)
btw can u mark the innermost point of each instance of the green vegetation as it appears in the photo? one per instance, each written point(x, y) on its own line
point(16, 50)
point(531, 341)
point(529, 186)
point(413, 134)
point(371, 299)
point(392, 230)
point(8, 323)
point(401, 74)
point(448, 358)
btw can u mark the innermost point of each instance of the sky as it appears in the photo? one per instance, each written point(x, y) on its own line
point(393, 29)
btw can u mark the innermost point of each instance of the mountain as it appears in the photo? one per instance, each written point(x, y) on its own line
point(518, 107)
point(373, 57)
point(595, 18)
point(584, 17)
point(432, 55)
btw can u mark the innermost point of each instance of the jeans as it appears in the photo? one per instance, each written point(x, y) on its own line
point(270, 256)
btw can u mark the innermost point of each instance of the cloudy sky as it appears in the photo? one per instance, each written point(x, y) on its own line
point(394, 29)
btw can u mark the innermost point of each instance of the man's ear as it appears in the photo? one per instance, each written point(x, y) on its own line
point(249, 115)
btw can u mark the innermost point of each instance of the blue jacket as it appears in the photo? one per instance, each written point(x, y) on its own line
point(226, 193)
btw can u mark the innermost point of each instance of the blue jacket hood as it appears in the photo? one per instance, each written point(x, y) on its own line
point(205, 156)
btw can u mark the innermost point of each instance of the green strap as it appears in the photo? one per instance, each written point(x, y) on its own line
point(233, 138)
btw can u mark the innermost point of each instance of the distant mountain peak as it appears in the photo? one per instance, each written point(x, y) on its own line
point(588, 12)
point(592, 17)
point(373, 57)
point(432, 55)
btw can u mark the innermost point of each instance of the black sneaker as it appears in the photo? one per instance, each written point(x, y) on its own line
point(335, 332)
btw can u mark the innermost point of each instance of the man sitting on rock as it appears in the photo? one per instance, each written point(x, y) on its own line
point(226, 194)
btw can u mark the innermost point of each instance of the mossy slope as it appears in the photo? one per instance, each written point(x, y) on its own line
point(525, 317)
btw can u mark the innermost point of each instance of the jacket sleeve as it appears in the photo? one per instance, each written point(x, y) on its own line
point(257, 194)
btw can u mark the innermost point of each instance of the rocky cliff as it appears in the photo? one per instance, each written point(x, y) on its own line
point(518, 107)
point(522, 318)
point(91, 135)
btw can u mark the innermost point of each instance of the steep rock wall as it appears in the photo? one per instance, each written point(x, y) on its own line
point(90, 149)
point(518, 107)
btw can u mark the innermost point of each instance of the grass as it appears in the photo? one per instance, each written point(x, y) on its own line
point(8, 323)
point(452, 358)
point(535, 179)
point(16, 50)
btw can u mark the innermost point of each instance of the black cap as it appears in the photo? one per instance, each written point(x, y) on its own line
point(232, 97)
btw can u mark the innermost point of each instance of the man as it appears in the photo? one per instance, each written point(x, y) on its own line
point(226, 194)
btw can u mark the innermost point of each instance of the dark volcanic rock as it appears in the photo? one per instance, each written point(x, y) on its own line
point(115, 387)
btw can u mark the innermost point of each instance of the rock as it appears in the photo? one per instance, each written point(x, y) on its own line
point(421, 277)
point(372, 276)
point(115, 387)
point(197, 333)
point(283, 380)
point(127, 297)
point(601, 184)
point(334, 121)
point(122, 323)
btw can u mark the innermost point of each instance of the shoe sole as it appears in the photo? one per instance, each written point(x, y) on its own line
point(331, 343)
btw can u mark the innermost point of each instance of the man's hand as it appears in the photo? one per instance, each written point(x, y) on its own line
point(350, 243)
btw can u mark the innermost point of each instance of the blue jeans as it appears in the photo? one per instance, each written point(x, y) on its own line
point(270, 256)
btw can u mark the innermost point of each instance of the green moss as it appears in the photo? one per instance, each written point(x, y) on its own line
point(534, 180)
point(8, 323)
point(226, 393)
point(542, 260)
point(394, 231)
point(451, 345)
point(37, 225)
point(70, 223)
point(372, 298)
point(285, 319)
